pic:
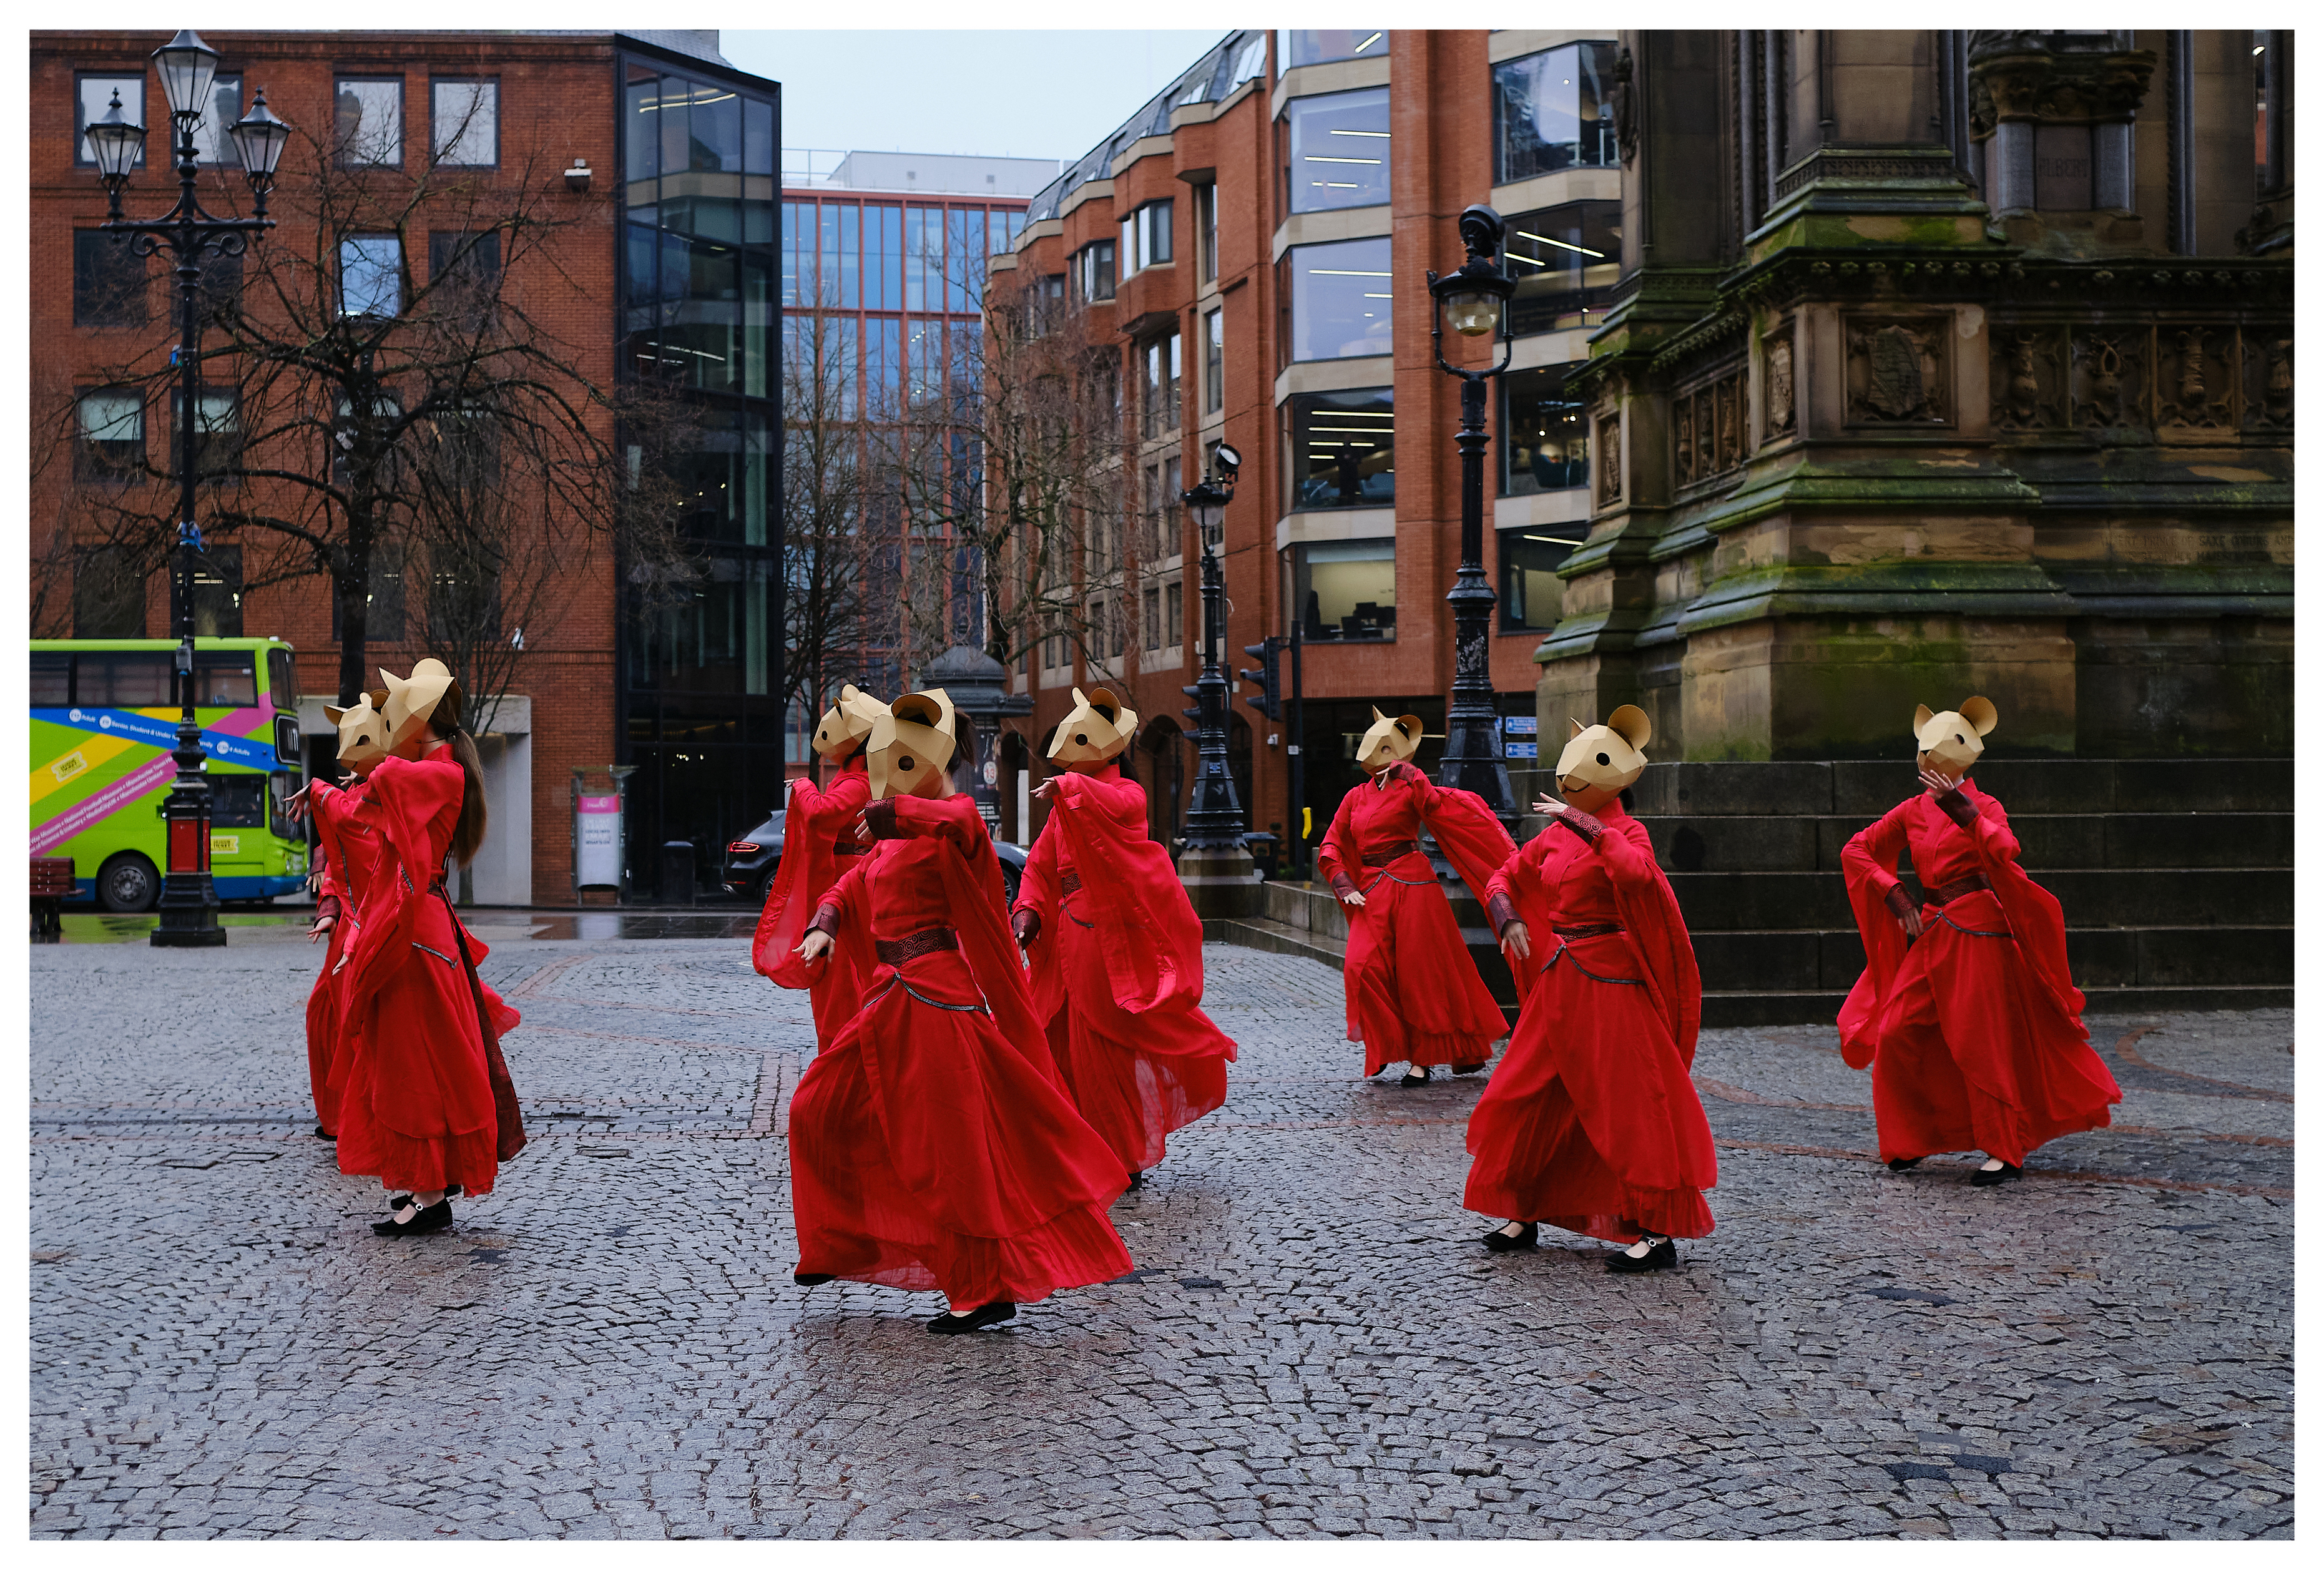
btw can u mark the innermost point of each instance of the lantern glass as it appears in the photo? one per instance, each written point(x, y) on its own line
point(1474, 313)
point(260, 138)
point(187, 64)
point(1210, 518)
point(114, 142)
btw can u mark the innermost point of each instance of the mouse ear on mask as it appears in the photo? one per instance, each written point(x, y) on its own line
point(1980, 714)
point(1921, 717)
point(1631, 723)
point(1578, 727)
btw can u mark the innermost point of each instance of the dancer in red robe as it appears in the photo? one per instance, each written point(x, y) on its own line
point(1591, 1123)
point(932, 1147)
point(344, 868)
point(1965, 1012)
point(1414, 994)
point(1116, 948)
point(426, 1104)
point(819, 846)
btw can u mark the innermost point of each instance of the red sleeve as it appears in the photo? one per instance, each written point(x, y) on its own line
point(948, 818)
point(407, 797)
point(1338, 854)
point(1036, 885)
point(1867, 866)
point(2032, 914)
point(1655, 928)
point(1147, 931)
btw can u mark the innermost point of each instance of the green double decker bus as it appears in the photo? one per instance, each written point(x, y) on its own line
point(105, 719)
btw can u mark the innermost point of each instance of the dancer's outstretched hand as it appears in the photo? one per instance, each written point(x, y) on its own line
point(1548, 806)
point(814, 945)
point(322, 928)
point(1353, 896)
point(1045, 789)
point(1516, 941)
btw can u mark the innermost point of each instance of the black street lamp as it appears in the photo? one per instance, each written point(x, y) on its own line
point(188, 904)
point(1476, 300)
point(1216, 866)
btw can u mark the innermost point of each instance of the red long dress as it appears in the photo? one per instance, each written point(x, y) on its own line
point(1974, 1032)
point(1591, 1122)
point(1118, 969)
point(425, 1101)
point(1414, 994)
point(931, 1146)
point(348, 851)
point(818, 845)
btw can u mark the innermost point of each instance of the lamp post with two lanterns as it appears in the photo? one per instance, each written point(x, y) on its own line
point(189, 904)
point(1475, 299)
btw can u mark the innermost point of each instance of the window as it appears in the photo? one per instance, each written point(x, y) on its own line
point(1252, 62)
point(464, 122)
point(842, 256)
point(1151, 602)
point(1344, 449)
point(123, 680)
point(1093, 271)
point(109, 600)
point(109, 280)
point(1173, 614)
point(923, 259)
point(226, 679)
point(1214, 361)
point(382, 597)
point(1565, 260)
point(1145, 238)
point(282, 679)
point(1544, 433)
point(112, 435)
point(1554, 110)
point(238, 801)
point(217, 594)
point(1341, 298)
point(1533, 596)
point(1347, 589)
point(368, 123)
point(218, 430)
point(1206, 220)
point(884, 258)
point(217, 292)
point(1160, 401)
point(464, 272)
point(1314, 46)
point(966, 239)
point(212, 145)
point(51, 680)
point(1339, 150)
point(94, 98)
point(371, 275)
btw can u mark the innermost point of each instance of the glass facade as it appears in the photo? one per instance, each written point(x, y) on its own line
point(1341, 298)
point(1544, 432)
point(1344, 449)
point(1554, 110)
point(1346, 589)
point(1338, 150)
point(1314, 46)
point(1565, 260)
point(1533, 596)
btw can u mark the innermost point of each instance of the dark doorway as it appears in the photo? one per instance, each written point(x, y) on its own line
point(1164, 746)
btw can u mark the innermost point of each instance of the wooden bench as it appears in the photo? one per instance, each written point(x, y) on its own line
point(52, 885)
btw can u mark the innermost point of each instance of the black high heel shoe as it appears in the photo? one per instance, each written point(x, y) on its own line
point(1904, 1163)
point(437, 1218)
point(2005, 1173)
point(1414, 1076)
point(1502, 1242)
point(1662, 1256)
point(951, 1323)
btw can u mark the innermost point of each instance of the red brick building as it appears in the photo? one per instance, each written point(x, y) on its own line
point(1255, 241)
point(669, 255)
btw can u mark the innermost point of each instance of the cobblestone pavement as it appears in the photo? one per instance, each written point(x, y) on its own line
point(1314, 1343)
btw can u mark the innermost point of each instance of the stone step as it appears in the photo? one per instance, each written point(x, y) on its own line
point(1272, 937)
point(1871, 786)
point(2047, 842)
point(2101, 957)
point(1738, 901)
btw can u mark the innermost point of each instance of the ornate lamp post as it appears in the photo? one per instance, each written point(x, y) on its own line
point(188, 904)
point(1475, 299)
point(1216, 866)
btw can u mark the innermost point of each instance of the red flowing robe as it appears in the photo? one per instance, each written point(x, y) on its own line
point(1591, 1123)
point(818, 845)
point(932, 1147)
point(1413, 993)
point(350, 852)
point(1118, 969)
point(1974, 1032)
point(426, 1100)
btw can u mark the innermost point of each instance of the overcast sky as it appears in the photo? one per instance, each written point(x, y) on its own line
point(1045, 94)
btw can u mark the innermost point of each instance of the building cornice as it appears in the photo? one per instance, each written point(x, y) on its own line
point(1335, 375)
point(1516, 42)
point(1339, 76)
point(1370, 223)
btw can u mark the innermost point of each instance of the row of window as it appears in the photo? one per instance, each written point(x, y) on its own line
point(463, 117)
point(885, 256)
point(1098, 268)
point(1344, 590)
point(1343, 444)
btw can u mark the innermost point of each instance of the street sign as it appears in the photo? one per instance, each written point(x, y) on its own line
point(1521, 725)
point(1524, 749)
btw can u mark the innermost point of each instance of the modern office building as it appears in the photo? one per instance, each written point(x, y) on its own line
point(1849, 367)
point(656, 161)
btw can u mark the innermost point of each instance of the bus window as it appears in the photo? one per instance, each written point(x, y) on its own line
point(123, 680)
point(282, 679)
point(238, 801)
point(51, 680)
point(227, 680)
point(282, 787)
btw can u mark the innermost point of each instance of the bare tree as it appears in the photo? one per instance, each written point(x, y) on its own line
point(832, 527)
point(384, 384)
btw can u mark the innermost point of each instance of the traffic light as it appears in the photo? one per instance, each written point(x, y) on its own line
point(1268, 679)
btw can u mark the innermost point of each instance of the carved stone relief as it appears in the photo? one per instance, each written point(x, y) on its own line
point(2197, 392)
point(2027, 379)
point(1608, 459)
point(2109, 378)
point(1707, 435)
point(1782, 411)
point(2267, 379)
point(1897, 372)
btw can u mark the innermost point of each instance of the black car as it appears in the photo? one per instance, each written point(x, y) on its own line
point(750, 871)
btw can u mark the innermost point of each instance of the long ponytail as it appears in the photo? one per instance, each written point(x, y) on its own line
point(468, 834)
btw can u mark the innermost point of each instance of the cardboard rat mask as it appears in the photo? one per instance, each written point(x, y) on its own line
point(845, 724)
point(1390, 741)
point(910, 744)
point(1949, 742)
point(1602, 762)
point(1097, 732)
point(363, 731)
